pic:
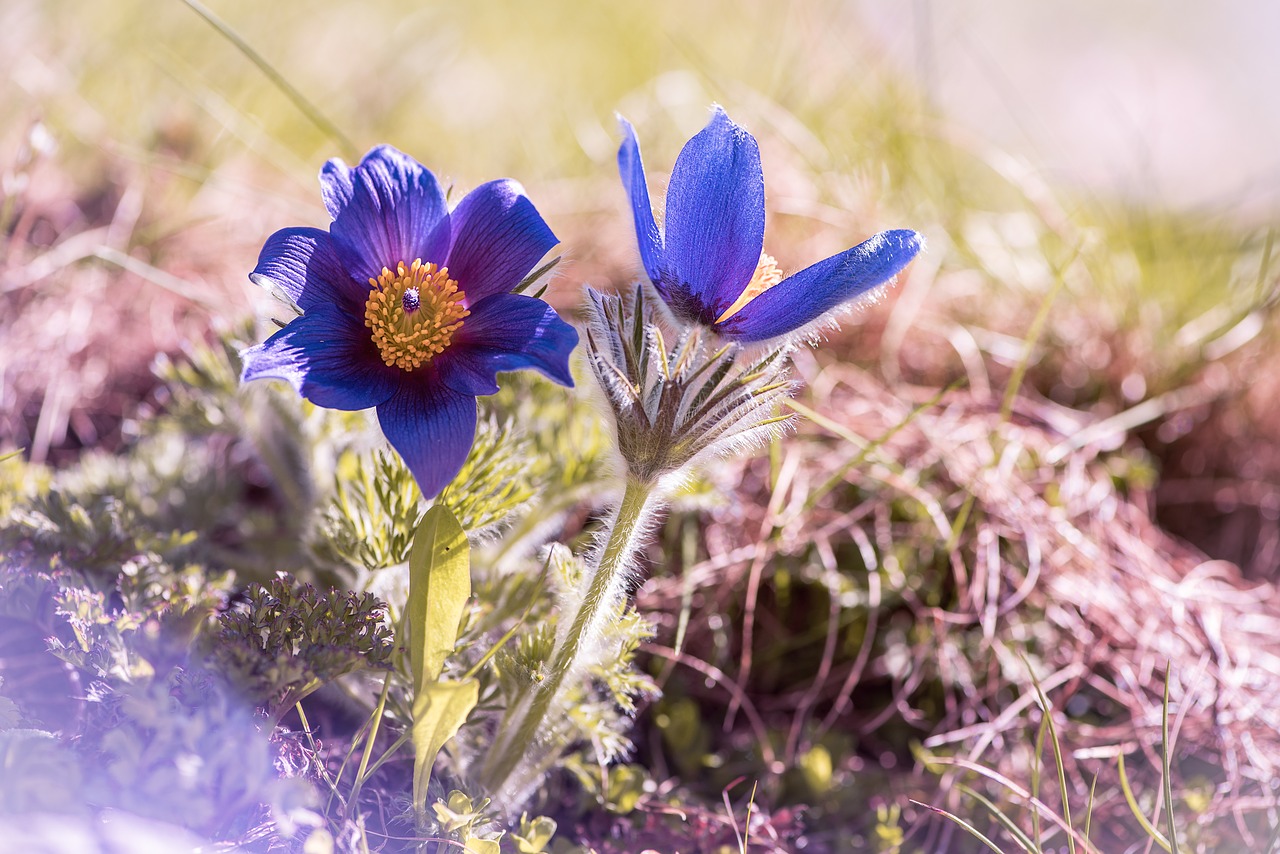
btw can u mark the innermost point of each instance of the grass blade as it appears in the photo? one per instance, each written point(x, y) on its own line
point(1024, 842)
point(300, 101)
point(968, 828)
point(1057, 755)
point(1166, 749)
point(1137, 811)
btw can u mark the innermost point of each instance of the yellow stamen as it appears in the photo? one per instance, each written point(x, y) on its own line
point(413, 313)
point(766, 276)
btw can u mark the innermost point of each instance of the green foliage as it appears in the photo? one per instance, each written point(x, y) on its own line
point(373, 512)
point(495, 482)
point(568, 449)
point(288, 639)
point(439, 587)
point(618, 788)
point(466, 822)
point(376, 505)
point(188, 487)
point(521, 665)
point(439, 711)
point(137, 582)
point(533, 835)
point(91, 532)
point(158, 735)
point(598, 708)
point(99, 640)
point(620, 640)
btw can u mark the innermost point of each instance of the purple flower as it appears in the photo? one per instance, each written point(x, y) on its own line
point(407, 306)
point(707, 264)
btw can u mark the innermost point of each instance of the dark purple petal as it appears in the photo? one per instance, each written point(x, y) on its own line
point(806, 296)
point(303, 263)
point(714, 220)
point(631, 167)
point(328, 357)
point(507, 332)
point(395, 212)
point(432, 427)
point(498, 235)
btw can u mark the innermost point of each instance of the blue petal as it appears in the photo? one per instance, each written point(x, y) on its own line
point(715, 220)
point(335, 186)
point(498, 235)
point(806, 296)
point(507, 332)
point(303, 263)
point(432, 427)
point(631, 167)
point(328, 357)
point(393, 211)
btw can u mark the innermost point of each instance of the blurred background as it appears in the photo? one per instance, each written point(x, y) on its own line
point(1166, 103)
point(145, 157)
point(1100, 186)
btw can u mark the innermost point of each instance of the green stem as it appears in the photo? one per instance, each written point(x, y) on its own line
point(517, 737)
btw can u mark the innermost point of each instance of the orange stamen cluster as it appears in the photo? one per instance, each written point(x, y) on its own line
point(766, 276)
point(413, 312)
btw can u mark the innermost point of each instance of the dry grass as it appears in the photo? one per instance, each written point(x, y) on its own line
point(1058, 560)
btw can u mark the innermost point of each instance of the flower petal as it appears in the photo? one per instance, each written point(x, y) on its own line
point(394, 211)
point(335, 186)
point(328, 358)
point(432, 427)
point(631, 167)
point(303, 263)
point(715, 220)
point(507, 332)
point(498, 235)
point(806, 296)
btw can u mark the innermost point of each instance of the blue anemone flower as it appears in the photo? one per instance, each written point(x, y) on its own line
point(407, 306)
point(708, 264)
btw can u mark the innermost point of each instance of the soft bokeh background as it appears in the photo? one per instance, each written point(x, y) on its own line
point(1161, 102)
point(1098, 183)
point(1146, 128)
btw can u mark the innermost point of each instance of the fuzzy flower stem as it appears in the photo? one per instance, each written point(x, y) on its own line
point(516, 740)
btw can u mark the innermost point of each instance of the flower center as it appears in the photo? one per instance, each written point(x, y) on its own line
point(413, 313)
point(766, 276)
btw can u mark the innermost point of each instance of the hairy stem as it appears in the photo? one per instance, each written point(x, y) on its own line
point(513, 748)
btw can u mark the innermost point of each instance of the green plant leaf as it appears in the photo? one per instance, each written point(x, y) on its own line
point(439, 587)
point(439, 710)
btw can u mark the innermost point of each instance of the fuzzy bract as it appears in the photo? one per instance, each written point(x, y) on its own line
point(407, 305)
point(707, 262)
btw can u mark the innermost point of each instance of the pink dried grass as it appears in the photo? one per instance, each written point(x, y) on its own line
point(1056, 562)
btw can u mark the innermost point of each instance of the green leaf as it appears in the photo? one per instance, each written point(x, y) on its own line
point(439, 710)
point(439, 587)
point(534, 836)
